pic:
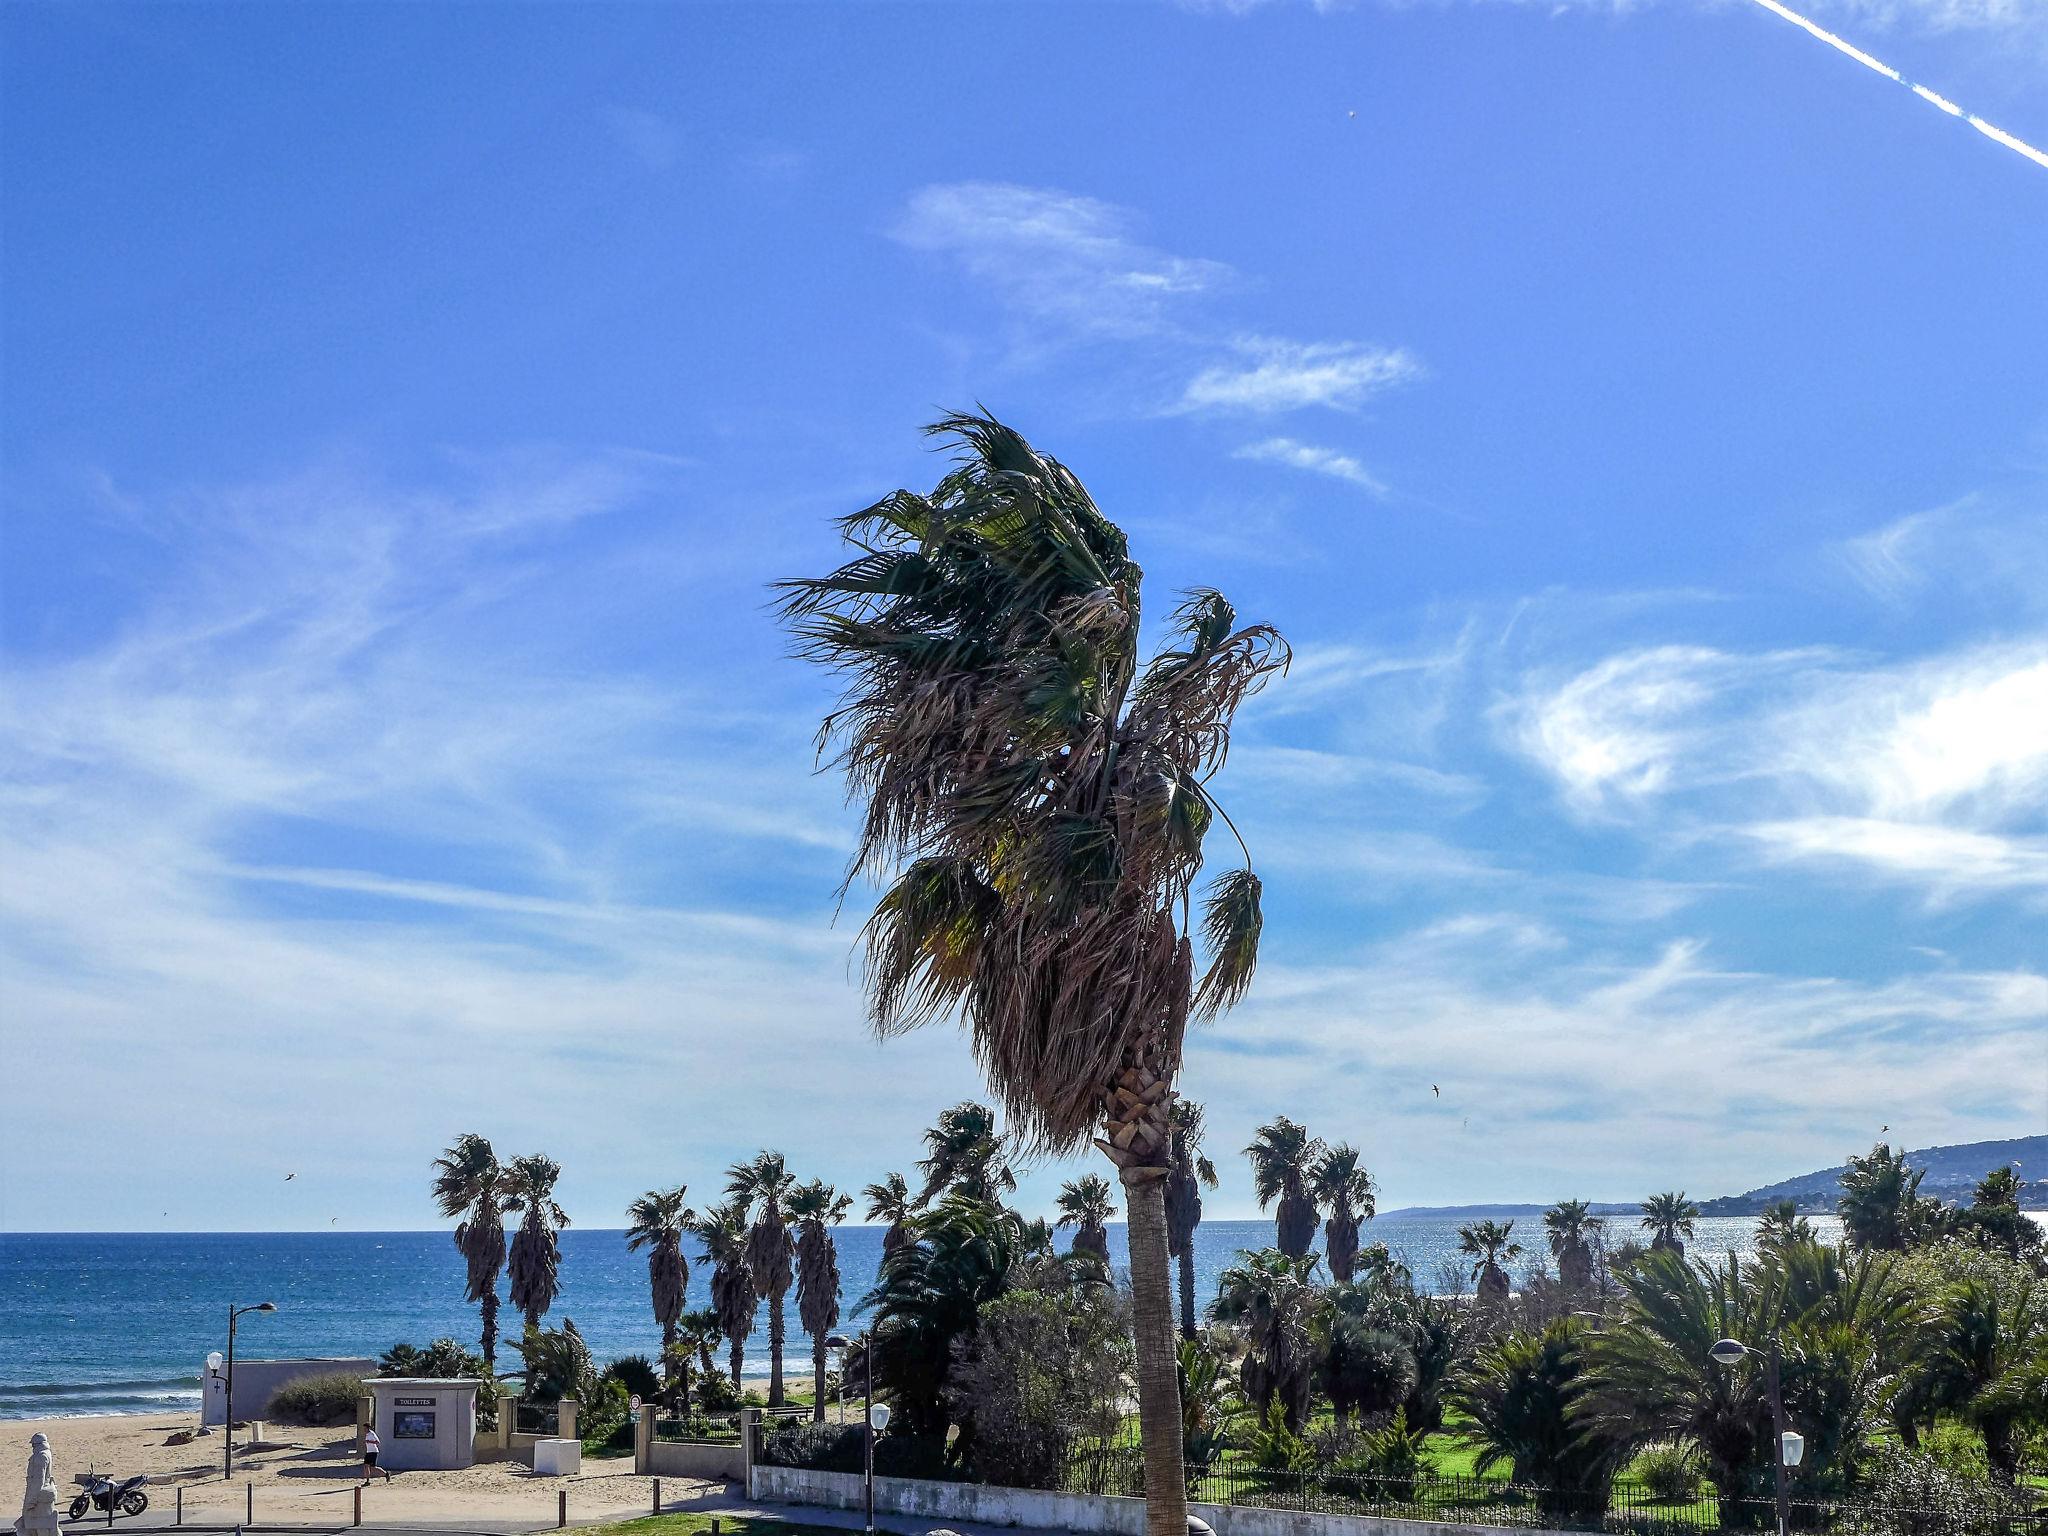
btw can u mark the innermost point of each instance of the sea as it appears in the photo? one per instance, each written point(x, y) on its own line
point(121, 1322)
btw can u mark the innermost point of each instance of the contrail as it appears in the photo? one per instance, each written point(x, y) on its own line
point(1843, 45)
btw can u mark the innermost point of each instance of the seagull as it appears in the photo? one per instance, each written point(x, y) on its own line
point(1436, 1090)
point(289, 1177)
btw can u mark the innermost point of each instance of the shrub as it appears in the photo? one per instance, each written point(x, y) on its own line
point(443, 1357)
point(638, 1375)
point(1276, 1448)
point(816, 1447)
point(603, 1417)
point(1910, 1493)
point(327, 1398)
point(1394, 1456)
point(714, 1393)
point(1667, 1473)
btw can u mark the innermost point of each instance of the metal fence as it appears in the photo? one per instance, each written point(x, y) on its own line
point(537, 1418)
point(703, 1429)
point(1626, 1508)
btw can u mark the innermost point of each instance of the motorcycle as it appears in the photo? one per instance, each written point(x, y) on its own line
point(104, 1494)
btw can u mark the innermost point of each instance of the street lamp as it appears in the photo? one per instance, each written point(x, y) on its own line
point(227, 1447)
point(874, 1419)
point(1791, 1446)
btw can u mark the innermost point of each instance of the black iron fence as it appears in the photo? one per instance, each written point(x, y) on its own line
point(1625, 1508)
point(708, 1429)
point(537, 1418)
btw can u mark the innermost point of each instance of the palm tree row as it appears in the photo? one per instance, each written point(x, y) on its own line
point(472, 1186)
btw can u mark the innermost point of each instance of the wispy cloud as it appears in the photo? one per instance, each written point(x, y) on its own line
point(1316, 460)
point(1056, 255)
point(1274, 375)
point(1930, 770)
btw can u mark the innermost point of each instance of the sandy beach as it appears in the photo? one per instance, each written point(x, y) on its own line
point(307, 1476)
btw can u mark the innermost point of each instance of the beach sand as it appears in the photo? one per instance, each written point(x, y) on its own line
point(307, 1476)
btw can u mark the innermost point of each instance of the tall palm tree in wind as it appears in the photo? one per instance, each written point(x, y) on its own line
point(890, 1200)
point(1283, 1155)
point(1344, 1189)
point(723, 1232)
point(657, 1221)
point(469, 1184)
point(1036, 800)
point(1187, 1170)
point(761, 1185)
point(964, 1155)
point(815, 1208)
point(536, 1259)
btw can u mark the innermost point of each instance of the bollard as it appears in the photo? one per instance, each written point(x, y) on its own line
point(181, 1504)
point(110, 1506)
point(250, 1487)
point(561, 1508)
point(714, 1525)
point(657, 1496)
point(359, 1505)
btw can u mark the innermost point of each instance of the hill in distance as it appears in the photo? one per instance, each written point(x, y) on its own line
point(1952, 1172)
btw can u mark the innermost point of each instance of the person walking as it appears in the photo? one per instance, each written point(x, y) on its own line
point(371, 1446)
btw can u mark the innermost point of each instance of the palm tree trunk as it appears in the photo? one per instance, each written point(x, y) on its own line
point(738, 1352)
point(1159, 1421)
point(491, 1330)
point(775, 1336)
point(1187, 1289)
point(668, 1345)
point(818, 1378)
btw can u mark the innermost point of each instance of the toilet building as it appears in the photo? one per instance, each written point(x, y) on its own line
point(425, 1422)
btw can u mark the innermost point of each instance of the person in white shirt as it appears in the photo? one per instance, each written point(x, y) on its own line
point(371, 1446)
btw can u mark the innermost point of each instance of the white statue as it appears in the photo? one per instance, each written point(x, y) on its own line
point(39, 1498)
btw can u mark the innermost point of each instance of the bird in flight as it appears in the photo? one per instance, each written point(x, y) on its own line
point(289, 1177)
point(1436, 1090)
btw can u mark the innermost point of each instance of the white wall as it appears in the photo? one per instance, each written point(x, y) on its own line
point(1082, 1513)
point(257, 1381)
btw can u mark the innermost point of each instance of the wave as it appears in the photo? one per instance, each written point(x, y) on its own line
point(116, 1384)
point(84, 1399)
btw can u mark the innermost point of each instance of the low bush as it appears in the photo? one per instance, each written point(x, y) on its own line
point(838, 1448)
point(714, 1393)
point(638, 1374)
point(604, 1419)
point(328, 1398)
point(1667, 1473)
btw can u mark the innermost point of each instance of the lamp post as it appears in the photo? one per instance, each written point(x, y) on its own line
point(227, 1447)
point(1788, 1445)
point(874, 1415)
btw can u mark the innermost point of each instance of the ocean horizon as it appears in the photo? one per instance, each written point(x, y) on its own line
point(94, 1323)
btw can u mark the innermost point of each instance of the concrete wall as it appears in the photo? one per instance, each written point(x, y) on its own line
point(257, 1381)
point(1085, 1514)
point(725, 1461)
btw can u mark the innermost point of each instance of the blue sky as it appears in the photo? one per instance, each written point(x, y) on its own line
point(1634, 415)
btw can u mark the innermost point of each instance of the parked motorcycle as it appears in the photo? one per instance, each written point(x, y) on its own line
point(104, 1494)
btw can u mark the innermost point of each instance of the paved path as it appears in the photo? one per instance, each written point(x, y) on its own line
point(727, 1503)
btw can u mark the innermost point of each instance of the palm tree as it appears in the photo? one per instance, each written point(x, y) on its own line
point(1987, 1360)
point(1656, 1379)
point(1269, 1297)
point(1282, 1155)
point(1521, 1398)
point(1881, 1206)
point(657, 1221)
point(469, 1184)
point(1668, 1218)
point(536, 1260)
point(1488, 1243)
point(890, 1201)
point(723, 1231)
point(696, 1331)
point(1050, 798)
point(1367, 1365)
point(964, 1155)
point(1570, 1226)
point(761, 1185)
point(1780, 1225)
point(816, 1208)
point(1085, 1205)
point(1344, 1189)
point(1187, 1170)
